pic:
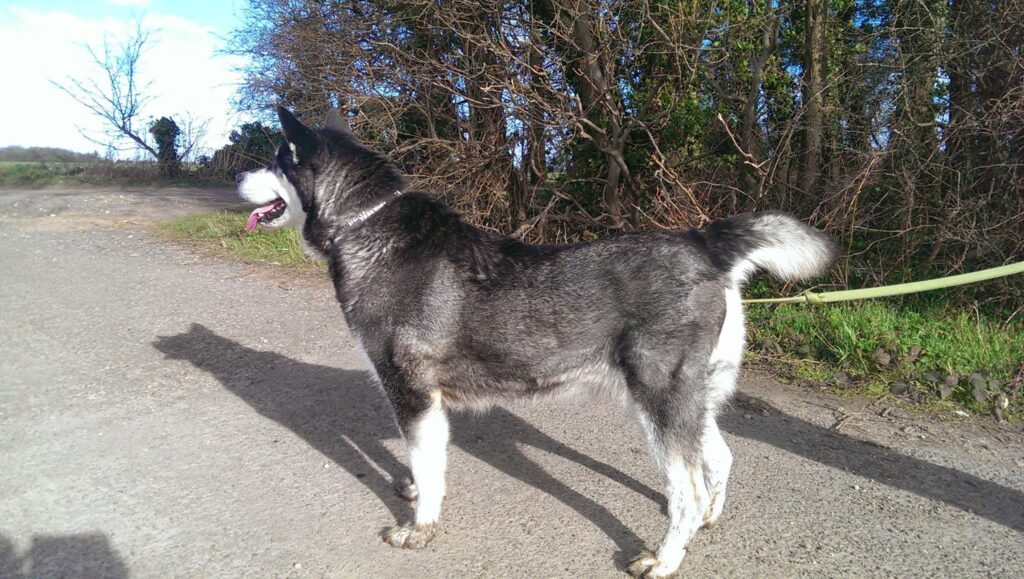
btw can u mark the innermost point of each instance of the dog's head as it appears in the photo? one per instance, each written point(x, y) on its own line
point(326, 173)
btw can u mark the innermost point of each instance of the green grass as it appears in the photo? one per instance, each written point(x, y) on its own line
point(225, 231)
point(922, 340)
point(33, 174)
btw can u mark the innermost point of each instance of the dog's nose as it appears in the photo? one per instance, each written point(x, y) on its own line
point(238, 178)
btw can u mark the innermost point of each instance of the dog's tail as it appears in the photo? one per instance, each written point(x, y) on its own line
point(776, 242)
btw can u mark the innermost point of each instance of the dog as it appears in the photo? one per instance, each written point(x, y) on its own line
point(449, 316)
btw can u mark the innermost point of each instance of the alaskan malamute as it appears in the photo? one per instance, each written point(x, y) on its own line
point(451, 316)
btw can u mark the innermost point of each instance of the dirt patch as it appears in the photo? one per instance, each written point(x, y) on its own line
point(887, 421)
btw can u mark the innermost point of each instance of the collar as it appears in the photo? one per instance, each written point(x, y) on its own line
point(363, 216)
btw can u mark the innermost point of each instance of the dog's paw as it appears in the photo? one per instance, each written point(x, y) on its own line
point(405, 488)
point(647, 566)
point(410, 536)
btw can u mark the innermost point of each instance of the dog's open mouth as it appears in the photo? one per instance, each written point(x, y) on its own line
point(266, 214)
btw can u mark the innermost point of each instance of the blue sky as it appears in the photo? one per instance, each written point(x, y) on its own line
point(219, 14)
point(44, 42)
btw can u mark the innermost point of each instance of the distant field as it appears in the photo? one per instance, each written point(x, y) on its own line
point(34, 174)
point(31, 174)
point(51, 165)
point(18, 163)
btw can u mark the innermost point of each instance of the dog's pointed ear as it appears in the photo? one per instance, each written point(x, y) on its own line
point(336, 122)
point(302, 140)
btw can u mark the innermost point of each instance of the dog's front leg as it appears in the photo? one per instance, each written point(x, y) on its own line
point(426, 435)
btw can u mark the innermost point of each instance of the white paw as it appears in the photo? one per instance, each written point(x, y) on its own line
point(647, 566)
point(410, 536)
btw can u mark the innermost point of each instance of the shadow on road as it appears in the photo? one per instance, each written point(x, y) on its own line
point(341, 414)
point(984, 498)
point(85, 555)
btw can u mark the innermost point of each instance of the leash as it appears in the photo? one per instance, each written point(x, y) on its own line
point(810, 297)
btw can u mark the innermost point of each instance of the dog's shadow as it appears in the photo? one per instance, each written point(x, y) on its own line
point(338, 412)
point(343, 416)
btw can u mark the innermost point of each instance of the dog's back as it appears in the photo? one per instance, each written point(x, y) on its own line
point(485, 316)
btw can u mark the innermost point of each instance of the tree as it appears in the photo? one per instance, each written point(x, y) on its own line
point(897, 123)
point(165, 132)
point(250, 146)
point(116, 96)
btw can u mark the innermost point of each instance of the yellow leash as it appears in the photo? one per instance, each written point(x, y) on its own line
point(810, 297)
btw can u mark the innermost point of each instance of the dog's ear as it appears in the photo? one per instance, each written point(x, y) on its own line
point(302, 140)
point(336, 122)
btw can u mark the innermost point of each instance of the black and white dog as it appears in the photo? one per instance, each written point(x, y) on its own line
point(451, 316)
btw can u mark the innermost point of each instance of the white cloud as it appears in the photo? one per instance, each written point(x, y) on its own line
point(41, 46)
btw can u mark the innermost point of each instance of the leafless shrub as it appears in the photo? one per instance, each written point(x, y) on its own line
point(898, 124)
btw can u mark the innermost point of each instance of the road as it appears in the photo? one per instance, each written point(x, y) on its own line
point(168, 413)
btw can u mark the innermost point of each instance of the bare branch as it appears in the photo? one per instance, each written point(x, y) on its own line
point(117, 99)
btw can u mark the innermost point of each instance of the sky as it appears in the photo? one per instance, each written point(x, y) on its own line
point(45, 41)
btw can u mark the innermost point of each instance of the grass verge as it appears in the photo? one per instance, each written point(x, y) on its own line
point(923, 352)
point(225, 231)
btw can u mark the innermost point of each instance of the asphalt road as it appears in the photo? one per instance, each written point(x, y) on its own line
point(165, 413)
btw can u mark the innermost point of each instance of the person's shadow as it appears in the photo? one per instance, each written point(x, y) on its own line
point(342, 415)
point(83, 555)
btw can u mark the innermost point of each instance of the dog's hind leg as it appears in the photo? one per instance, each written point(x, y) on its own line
point(426, 435)
point(725, 364)
point(716, 460)
point(671, 404)
point(688, 500)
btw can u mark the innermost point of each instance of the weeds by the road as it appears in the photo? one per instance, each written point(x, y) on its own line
point(921, 351)
point(225, 230)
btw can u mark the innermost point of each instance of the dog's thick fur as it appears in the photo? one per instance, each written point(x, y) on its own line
point(450, 316)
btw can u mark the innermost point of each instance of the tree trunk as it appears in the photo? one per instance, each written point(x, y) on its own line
point(486, 110)
point(748, 140)
point(598, 102)
point(534, 161)
point(814, 60)
point(957, 154)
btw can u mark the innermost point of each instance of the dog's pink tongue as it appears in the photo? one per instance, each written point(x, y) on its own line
point(254, 217)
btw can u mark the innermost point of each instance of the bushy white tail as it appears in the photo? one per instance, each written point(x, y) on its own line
point(779, 243)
